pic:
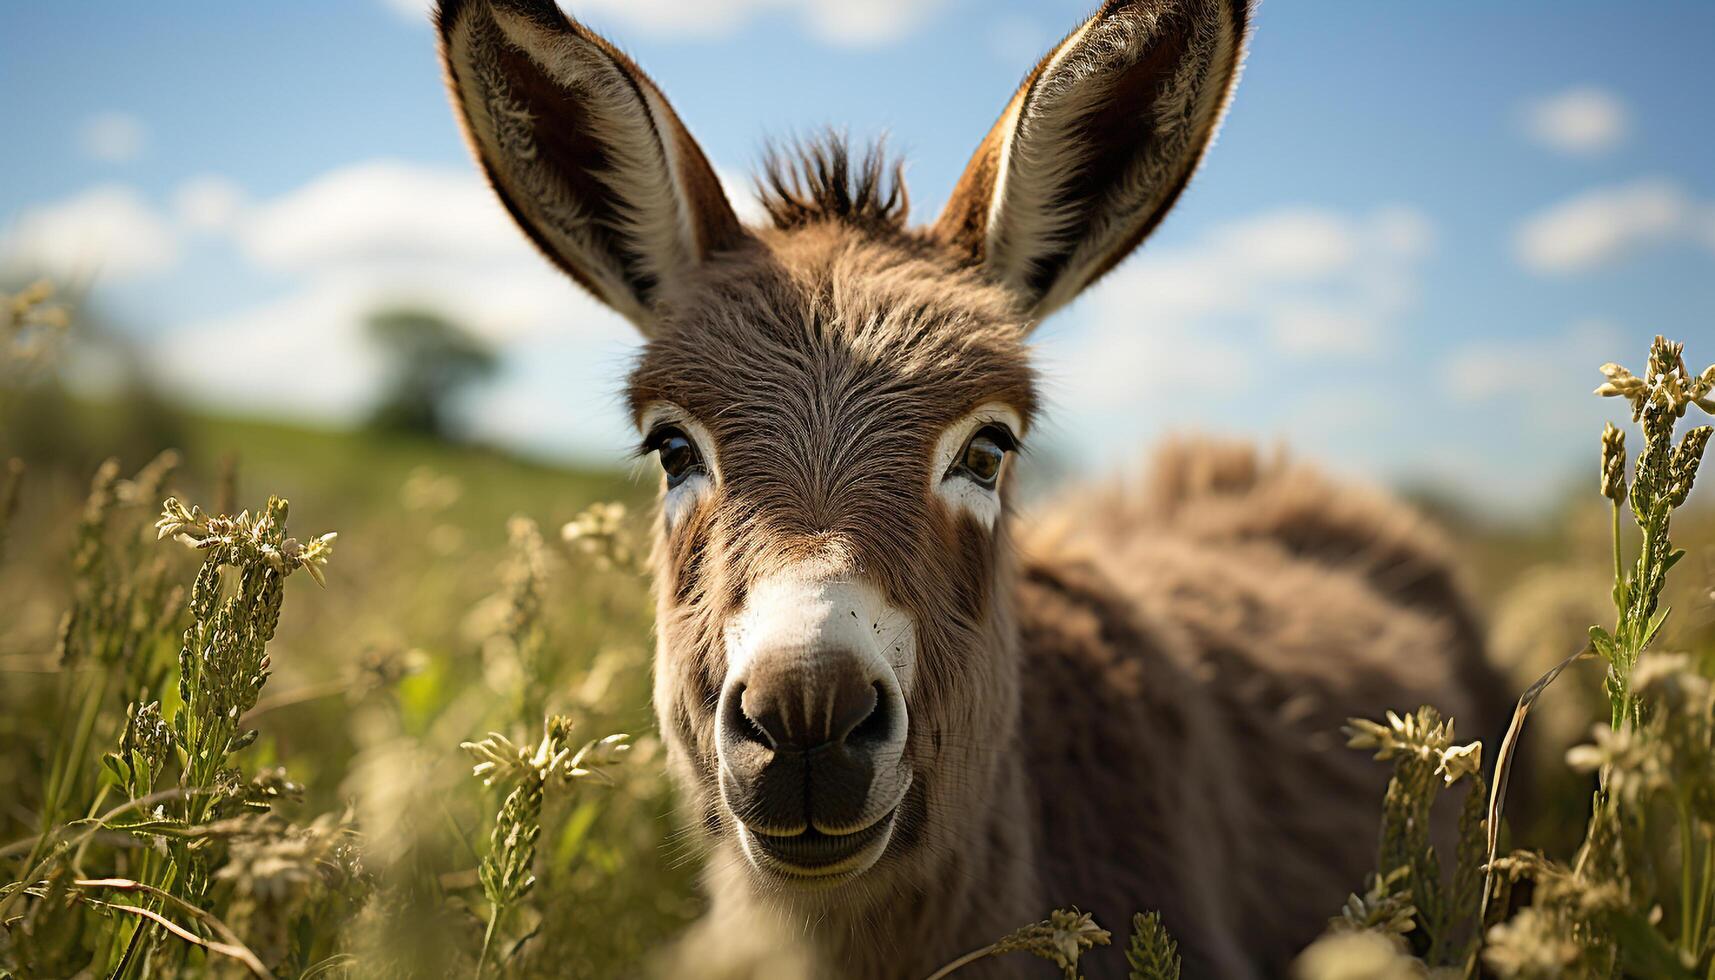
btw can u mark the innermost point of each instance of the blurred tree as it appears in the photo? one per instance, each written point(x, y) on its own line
point(434, 359)
point(75, 386)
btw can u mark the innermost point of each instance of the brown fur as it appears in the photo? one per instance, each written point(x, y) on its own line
point(1151, 723)
point(1129, 701)
point(867, 349)
point(818, 181)
point(1275, 605)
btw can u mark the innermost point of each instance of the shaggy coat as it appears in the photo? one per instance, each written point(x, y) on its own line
point(1128, 701)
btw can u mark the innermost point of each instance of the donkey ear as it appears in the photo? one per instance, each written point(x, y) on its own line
point(584, 151)
point(1096, 145)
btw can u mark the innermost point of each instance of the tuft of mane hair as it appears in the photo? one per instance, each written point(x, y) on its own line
point(819, 179)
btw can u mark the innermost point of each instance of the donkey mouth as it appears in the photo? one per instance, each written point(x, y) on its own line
point(813, 854)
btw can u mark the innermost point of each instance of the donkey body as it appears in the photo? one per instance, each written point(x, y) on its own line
point(903, 721)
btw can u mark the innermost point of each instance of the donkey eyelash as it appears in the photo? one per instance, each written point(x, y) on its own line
point(658, 435)
point(655, 437)
point(999, 433)
point(1002, 435)
point(981, 459)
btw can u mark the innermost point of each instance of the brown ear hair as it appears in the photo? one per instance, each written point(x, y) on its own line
point(1096, 145)
point(583, 150)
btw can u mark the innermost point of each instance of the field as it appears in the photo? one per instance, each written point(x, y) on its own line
point(378, 677)
point(350, 838)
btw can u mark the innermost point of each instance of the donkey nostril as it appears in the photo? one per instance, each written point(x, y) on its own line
point(850, 706)
point(875, 726)
point(754, 730)
point(739, 721)
point(808, 709)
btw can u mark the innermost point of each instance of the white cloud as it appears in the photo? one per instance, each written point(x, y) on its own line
point(850, 22)
point(1298, 281)
point(379, 212)
point(308, 355)
point(1403, 232)
point(1533, 369)
point(1203, 335)
point(1583, 120)
point(113, 137)
point(407, 230)
point(1121, 371)
point(867, 22)
point(741, 191)
point(304, 354)
point(1289, 244)
point(108, 232)
point(561, 396)
point(208, 203)
point(1312, 329)
point(378, 234)
point(1607, 223)
point(413, 10)
point(354, 240)
point(1515, 415)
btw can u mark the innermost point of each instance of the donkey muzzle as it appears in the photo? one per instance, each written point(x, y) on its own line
point(811, 730)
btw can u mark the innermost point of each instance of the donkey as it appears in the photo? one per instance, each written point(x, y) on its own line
point(902, 722)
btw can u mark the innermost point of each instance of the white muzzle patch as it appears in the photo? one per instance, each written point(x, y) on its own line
point(804, 610)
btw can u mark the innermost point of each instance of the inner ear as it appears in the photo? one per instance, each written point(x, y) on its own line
point(584, 151)
point(1096, 145)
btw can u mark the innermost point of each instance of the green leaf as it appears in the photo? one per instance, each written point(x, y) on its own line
point(1604, 643)
point(1643, 951)
point(1153, 955)
point(143, 829)
point(1655, 623)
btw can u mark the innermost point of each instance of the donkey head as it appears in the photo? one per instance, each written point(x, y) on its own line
point(835, 401)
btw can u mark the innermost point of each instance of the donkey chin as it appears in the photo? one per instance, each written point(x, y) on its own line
point(811, 727)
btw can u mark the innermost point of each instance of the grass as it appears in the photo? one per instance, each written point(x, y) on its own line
point(420, 640)
point(217, 767)
point(1636, 895)
point(358, 702)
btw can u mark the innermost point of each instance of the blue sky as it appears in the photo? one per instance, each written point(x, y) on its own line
point(1421, 229)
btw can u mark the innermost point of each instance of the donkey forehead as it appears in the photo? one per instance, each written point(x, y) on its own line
point(833, 336)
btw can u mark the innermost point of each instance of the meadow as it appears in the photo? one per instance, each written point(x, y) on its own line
point(231, 745)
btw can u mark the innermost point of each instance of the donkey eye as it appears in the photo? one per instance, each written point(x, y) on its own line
point(678, 454)
point(981, 459)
